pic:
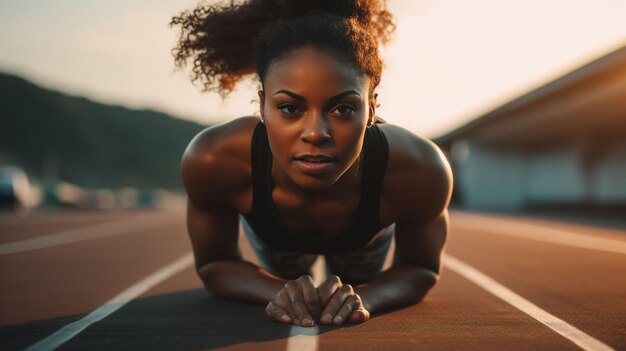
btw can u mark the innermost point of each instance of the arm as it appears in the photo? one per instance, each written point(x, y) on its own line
point(214, 239)
point(416, 269)
point(418, 190)
point(214, 235)
point(215, 175)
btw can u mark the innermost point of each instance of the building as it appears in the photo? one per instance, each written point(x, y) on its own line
point(561, 145)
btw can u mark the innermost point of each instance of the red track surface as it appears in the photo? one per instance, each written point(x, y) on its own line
point(45, 289)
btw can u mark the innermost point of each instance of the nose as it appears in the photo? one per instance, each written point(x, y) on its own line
point(316, 129)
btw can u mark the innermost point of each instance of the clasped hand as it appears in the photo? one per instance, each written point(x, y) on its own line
point(301, 303)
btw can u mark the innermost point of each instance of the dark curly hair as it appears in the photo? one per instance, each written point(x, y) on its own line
point(230, 40)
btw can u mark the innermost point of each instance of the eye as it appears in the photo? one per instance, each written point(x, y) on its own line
point(289, 109)
point(344, 110)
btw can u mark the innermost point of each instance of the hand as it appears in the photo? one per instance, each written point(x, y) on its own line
point(297, 302)
point(340, 303)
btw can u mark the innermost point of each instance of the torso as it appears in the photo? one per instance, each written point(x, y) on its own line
point(302, 218)
point(337, 213)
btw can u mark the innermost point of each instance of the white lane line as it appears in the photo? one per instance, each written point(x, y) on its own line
point(97, 231)
point(540, 233)
point(302, 339)
point(31, 220)
point(71, 330)
point(577, 336)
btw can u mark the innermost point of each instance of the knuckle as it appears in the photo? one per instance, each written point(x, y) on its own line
point(347, 288)
point(290, 284)
point(310, 299)
point(324, 297)
point(297, 299)
point(325, 287)
point(334, 278)
point(281, 295)
point(283, 300)
point(305, 278)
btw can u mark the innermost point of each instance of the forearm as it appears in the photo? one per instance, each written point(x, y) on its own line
point(398, 286)
point(240, 280)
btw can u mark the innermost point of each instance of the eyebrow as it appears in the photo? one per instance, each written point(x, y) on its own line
point(301, 98)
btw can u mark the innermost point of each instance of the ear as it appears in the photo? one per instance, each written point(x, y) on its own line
point(261, 103)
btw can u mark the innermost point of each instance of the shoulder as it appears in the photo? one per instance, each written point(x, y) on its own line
point(418, 180)
point(216, 164)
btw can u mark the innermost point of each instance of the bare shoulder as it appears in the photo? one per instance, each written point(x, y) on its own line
point(216, 164)
point(418, 181)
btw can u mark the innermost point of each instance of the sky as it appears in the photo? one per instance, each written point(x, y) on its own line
point(450, 61)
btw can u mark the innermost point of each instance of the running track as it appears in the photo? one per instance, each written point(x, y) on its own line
point(124, 281)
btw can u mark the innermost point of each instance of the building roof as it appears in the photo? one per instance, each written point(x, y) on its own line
point(589, 102)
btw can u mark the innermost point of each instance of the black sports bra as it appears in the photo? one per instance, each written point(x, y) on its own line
point(267, 225)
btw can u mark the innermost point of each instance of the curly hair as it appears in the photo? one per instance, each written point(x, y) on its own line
point(228, 41)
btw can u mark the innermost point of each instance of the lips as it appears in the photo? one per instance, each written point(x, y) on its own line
point(315, 164)
point(315, 158)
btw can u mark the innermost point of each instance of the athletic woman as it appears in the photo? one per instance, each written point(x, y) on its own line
point(318, 173)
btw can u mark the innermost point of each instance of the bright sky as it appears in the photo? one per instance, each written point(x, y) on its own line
point(450, 61)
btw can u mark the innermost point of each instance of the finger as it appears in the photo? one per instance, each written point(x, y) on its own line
point(283, 301)
point(277, 313)
point(359, 315)
point(327, 289)
point(349, 304)
point(303, 317)
point(311, 297)
point(335, 303)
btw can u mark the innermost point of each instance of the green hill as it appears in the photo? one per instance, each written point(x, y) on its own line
point(73, 139)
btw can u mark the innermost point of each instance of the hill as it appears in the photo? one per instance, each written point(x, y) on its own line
point(54, 135)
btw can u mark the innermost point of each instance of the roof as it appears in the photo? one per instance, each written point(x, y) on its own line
point(589, 102)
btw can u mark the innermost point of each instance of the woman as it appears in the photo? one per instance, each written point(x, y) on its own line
point(318, 174)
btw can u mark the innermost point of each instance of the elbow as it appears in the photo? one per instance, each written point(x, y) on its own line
point(431, 279)
point(212, 277)
point(424, 281)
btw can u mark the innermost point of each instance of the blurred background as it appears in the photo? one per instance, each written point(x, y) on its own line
point(527, 99)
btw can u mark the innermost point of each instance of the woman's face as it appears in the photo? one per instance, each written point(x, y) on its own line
point(316, 109)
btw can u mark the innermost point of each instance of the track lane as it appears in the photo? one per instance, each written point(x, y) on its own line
point(190, 319)
point(178, 313)
point(404, 333)
point(33, 226)
point(85, 233)
point(62, 217)
point(539, 232)
point(76, 278)
point(68, 332)
point(584, 287)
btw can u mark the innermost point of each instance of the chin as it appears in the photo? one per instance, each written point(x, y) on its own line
point(315, 182)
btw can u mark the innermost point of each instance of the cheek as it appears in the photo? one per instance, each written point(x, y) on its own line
point(351, 143)
point(280, 143)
